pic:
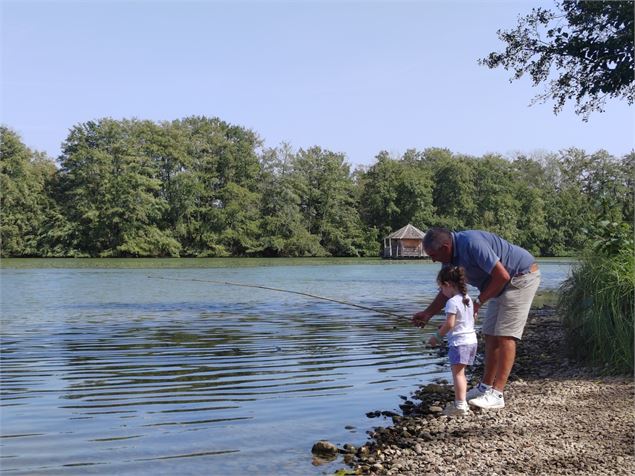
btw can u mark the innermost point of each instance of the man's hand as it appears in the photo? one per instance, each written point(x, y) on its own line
point(433, 342)
point(420, 319)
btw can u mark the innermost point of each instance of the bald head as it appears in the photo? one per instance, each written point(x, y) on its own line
point(435, 238)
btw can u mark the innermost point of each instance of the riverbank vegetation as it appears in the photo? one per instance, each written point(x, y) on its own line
point(597, 302)
point(202, 187)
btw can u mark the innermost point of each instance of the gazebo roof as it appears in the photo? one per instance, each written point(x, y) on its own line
point(408, 232)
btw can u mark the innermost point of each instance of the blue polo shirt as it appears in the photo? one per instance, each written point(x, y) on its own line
point(478, 252)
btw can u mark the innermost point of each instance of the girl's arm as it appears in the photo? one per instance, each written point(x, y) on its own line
point(421, 318)
point(447, 326)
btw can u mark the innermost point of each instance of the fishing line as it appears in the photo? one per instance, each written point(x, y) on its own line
point(230, 283)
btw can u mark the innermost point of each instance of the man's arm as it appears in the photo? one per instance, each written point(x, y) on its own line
point(499, 278)
point(420, 319)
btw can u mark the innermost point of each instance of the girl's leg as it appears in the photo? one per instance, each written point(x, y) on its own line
point(460, 382)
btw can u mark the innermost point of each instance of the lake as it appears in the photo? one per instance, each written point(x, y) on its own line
point(106, 370)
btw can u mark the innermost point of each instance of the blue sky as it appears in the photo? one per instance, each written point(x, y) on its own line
point(355, 77)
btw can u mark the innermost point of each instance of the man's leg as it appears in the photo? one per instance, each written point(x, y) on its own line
point(500, 354)
point(506, 353)
point(503, 325)
point(491, 360)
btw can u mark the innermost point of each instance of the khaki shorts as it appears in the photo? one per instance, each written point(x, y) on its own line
point(507, 314)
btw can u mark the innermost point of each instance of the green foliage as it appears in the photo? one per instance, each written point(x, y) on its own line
point(497, 207)
point(284, 228)
point(148, 241)
point(455, 192)
point(202, 187)
point(110, 191)
point(240, 217)
point(590, 43)
point(325, 186)
point(209, 168)
point(26, 207)
point(612, 237)
point(531, 190)
point(597, 303)
point(395, 192)
point(531, 226)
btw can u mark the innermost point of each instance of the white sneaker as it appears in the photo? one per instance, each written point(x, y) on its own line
point(477, 391)
point(489, 400)
point(452, 410)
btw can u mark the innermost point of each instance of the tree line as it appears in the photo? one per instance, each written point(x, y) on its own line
point(202, 187)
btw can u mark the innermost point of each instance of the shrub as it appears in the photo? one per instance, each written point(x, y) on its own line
point(597, 304)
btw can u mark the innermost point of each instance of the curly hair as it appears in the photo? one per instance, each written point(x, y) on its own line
point(455, 275)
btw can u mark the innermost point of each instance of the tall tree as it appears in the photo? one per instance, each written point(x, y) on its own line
point(397, 192)
point(570, 210)
point(531, 186)
point(454, 193)
point(166, 146)
point(582, 52)
point(110, 191)
point(379, 199)
point(324, 181)
point(25, 204)
point(600, 181)
point(284, 230)
point(497, 208)
point(220, 172)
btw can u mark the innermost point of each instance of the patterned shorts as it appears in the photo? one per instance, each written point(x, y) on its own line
point(462, 354)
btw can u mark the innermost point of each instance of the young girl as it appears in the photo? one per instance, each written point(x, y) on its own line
point(459, 327)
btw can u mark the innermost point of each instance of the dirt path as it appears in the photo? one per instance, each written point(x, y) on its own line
point(560, 418)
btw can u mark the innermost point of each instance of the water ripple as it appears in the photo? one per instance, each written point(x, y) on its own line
point(104, 371)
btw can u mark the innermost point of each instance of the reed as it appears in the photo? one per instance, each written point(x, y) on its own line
point(597, 305)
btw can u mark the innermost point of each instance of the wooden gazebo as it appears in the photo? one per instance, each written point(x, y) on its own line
point(407, 242)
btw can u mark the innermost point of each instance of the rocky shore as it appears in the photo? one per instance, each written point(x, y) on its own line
point(560, 418)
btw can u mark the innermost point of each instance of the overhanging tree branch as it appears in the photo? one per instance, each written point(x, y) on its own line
point(588, 47)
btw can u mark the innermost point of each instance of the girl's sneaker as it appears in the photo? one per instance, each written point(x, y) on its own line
point(452, 410)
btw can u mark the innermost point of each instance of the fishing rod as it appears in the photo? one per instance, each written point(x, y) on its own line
point(230, 283)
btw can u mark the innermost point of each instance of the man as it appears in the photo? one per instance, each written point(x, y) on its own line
point(507, 278)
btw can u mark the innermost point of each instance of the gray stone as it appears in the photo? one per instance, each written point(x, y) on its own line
point(324, 449)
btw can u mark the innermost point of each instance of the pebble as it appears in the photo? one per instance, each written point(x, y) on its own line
point(324, 449)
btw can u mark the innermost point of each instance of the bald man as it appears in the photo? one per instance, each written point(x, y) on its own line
point(507, 277)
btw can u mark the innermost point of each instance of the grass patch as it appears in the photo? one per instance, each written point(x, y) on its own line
point(597, 305)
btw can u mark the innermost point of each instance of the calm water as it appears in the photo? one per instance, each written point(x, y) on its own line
point(106, 371)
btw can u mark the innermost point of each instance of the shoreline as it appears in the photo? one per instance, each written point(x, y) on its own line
point(213, 262)
point(560, 418)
